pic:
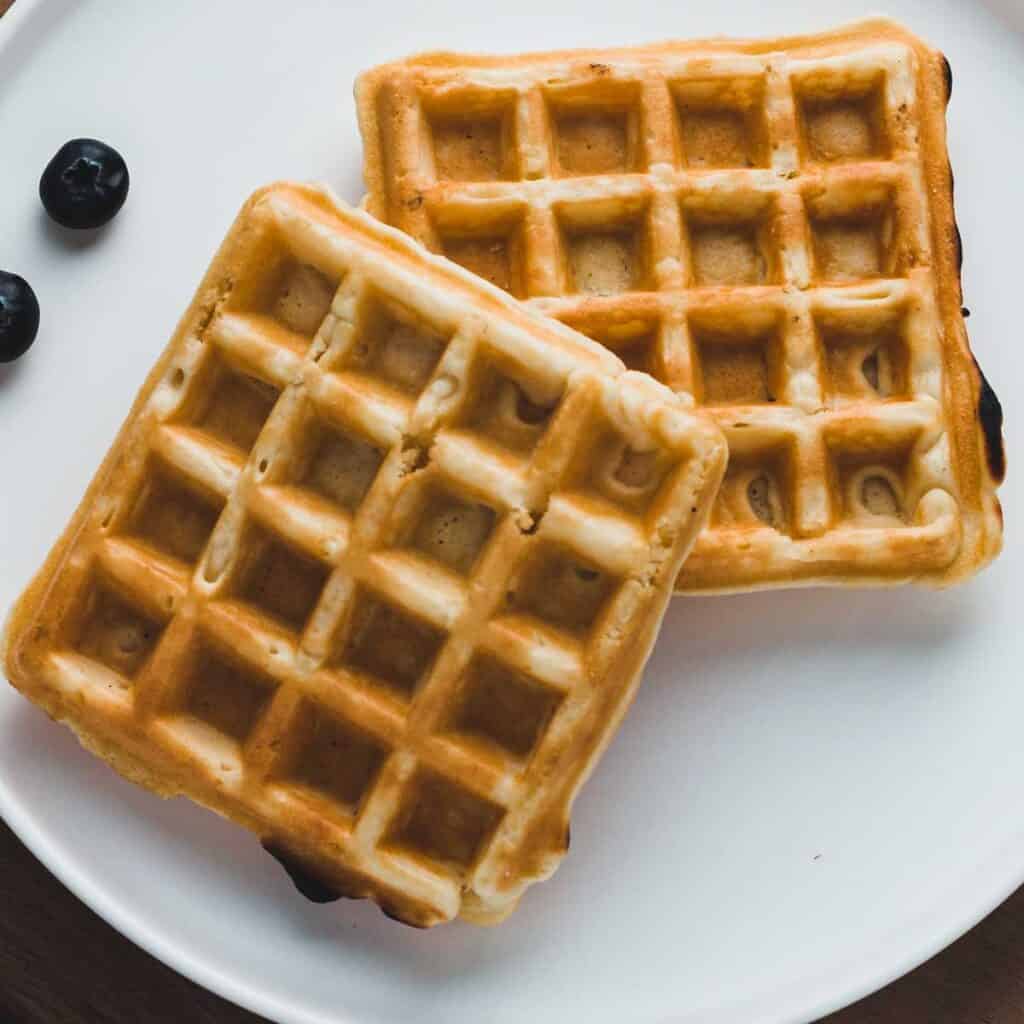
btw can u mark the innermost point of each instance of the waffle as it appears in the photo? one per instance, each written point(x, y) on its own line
point(374, 565)
point(766, 226)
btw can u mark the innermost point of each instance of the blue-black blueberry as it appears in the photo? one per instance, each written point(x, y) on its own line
point(19, 316)
point(85, 184)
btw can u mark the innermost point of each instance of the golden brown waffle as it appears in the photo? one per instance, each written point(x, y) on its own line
point(766, 226)
point(373, 566)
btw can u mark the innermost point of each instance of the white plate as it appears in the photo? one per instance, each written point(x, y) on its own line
point(815, 790)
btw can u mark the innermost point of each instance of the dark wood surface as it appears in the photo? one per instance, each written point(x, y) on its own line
point(60, 964)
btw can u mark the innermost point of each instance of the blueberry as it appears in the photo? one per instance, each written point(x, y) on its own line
point(85, 184)
point(19, 316)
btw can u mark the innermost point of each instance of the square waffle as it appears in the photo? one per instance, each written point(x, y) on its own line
point(374, 565)
point(766, 226)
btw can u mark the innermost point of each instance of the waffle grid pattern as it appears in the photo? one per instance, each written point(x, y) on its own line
point(753, 230)
point(371, 575)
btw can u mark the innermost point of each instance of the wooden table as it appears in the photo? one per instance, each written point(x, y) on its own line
point(60, 964)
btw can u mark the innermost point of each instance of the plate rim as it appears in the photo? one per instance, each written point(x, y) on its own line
point(801, 1001)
